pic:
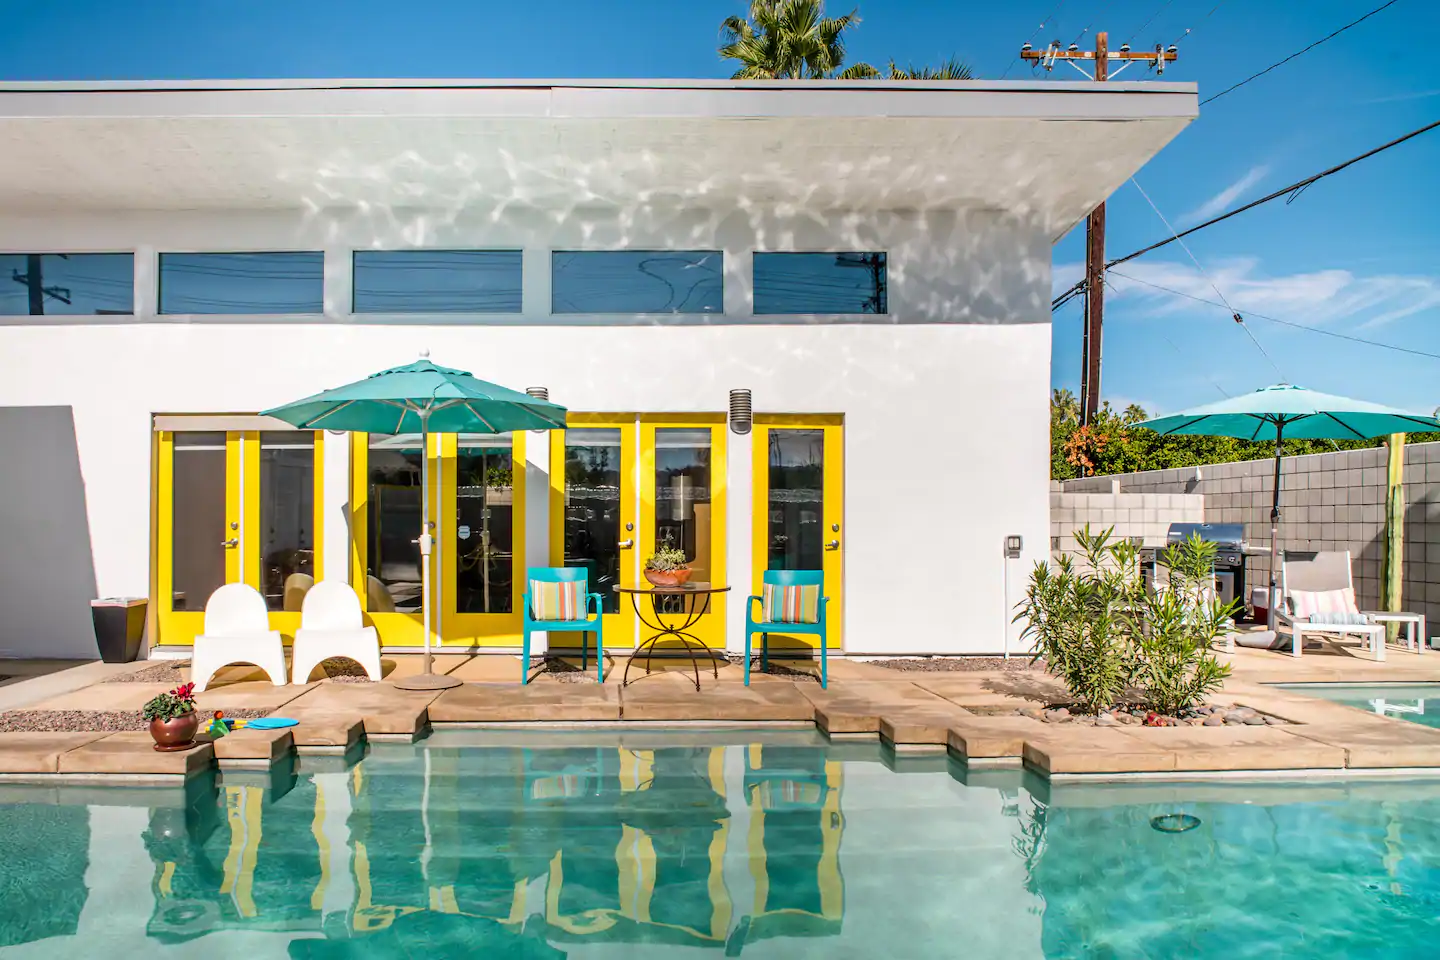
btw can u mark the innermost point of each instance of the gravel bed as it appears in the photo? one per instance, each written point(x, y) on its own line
point(564, 671)
point(1220, 715)
point(960, 664)
point(344, 670)
point(779, 669)
point(165, 671)
point(79, 721)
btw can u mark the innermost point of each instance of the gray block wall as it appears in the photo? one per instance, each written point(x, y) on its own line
point(1328, 501)
point(1145, 515)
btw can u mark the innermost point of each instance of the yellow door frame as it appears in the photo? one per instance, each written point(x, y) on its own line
point(832, 520)
point(710, 628)
point(619, 626)
point(242, 522)
point(395, 629)
point(479, 629)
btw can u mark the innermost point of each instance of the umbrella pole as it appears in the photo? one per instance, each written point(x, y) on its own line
point(1275, 519)
point(425, 680)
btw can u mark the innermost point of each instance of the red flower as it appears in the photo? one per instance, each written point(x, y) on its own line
point(186, 691)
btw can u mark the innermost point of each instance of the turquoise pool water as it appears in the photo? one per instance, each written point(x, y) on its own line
point(1416, 702)
point(656, 845)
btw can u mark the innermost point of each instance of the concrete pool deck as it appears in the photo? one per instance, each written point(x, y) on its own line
point(970, 714)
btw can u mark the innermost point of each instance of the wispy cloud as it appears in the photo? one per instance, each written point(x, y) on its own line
point(1315, 298)
point(1396, 98)
point(1223, 200)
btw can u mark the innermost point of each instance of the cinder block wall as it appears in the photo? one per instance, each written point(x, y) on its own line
point(1328, 501)
point(1145, 515)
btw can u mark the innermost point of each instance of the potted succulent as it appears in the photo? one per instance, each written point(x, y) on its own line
point(172, 718)
point(667, 567)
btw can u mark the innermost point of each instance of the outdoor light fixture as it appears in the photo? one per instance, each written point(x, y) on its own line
point(741, 416)
point(539, 393)
point(1013, 543)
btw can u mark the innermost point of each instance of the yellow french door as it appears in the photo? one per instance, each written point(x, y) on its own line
point(682, 505)
point(477, 519)
point(593, 513)
point(235, 507)
point(798, 488)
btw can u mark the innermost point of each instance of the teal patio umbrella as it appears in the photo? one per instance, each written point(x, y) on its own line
point(1284, 411)
point(423, 398)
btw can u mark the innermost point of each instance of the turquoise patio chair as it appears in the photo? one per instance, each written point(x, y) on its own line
point(785, 578)
point(584, 626)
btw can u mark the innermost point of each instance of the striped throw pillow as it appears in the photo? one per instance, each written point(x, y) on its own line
point(790, 604)
point(564, 600)
point(1308, 604)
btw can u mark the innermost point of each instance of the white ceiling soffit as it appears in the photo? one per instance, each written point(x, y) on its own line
point(1043, 150)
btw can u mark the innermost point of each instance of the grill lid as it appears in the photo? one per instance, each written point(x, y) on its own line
point(1230, 535)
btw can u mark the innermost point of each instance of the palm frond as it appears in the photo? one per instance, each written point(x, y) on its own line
point(858, 71)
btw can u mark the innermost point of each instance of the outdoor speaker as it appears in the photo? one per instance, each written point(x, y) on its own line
point(741, 416)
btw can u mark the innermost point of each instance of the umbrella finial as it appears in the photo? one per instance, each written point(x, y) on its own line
point(425, 354)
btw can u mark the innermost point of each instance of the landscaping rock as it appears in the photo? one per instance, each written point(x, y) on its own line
point(1214, 720)
point(1255, 720)
point(1106, 720)
point(1275, 721)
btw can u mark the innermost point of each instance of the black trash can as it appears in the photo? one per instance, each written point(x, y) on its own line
point(119, 627)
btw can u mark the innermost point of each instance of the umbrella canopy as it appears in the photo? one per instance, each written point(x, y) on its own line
point(421, 397)
point(1283, 411)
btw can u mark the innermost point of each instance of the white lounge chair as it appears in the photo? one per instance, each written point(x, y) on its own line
point(237, 630)
point(1323, 579)
point(331, 625)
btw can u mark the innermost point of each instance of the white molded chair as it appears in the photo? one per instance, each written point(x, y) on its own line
point(237, 630)
point(331, 625)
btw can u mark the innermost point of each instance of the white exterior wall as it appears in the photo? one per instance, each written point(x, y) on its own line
point(945, 400)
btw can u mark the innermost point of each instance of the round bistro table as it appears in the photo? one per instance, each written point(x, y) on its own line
point(695, 603)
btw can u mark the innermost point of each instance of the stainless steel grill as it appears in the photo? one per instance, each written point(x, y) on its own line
point(1231, 552)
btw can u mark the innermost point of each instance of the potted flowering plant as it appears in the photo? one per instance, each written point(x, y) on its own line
point(667, 567)
point(172, 718)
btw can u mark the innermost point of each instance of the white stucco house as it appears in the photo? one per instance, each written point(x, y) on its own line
point(869, 260)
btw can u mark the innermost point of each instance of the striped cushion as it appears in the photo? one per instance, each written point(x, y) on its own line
point(1313, 604)
point(564, 600)
point(790, 604)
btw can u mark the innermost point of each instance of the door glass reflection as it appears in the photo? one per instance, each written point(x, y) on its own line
point(592, 509)
point(682, 496)
point(198, 527)
point(797, 473)
point(484, 524)
point(287, 518)
point(393, 514)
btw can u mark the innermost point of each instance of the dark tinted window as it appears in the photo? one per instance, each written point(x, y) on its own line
point(242, 282)
point(820, 283)
point(437, 281)
point(636, 281)
point(66, 284)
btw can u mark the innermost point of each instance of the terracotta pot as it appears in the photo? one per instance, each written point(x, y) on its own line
point(668, 578)
point(176, 734)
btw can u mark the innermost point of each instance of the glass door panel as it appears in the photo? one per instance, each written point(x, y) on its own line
point(482, 537)
point(682, 506)
point(286, 533)
point(798, 489)
point(198, 536)
point(592, 512)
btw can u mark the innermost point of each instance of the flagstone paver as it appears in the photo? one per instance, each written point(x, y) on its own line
point(1091, 750)
point(511, 702)
point(992, 738)
point(856, 708)
point(134, 753)
point(39, 752)
point(1241, 748)
point(674, 698)
point(246, 744)
point(380, 707)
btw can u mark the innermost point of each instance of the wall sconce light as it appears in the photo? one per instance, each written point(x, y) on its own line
point(742, 417)
point(539, 393)
point(1013, 543)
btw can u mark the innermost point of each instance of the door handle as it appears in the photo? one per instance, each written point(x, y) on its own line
point(833, 545)
point(626, 544)
point(230, 544)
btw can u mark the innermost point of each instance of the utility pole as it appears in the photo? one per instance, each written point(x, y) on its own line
point(1100, 59)
point(34, 282)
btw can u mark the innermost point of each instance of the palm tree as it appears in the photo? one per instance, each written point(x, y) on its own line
point(790, 40)
point(951, 69)
point(1064, 406)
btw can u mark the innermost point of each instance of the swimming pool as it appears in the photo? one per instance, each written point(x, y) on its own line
point(1416, 702)
point(660, 845)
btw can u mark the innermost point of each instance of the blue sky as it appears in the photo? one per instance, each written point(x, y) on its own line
point(1358, 253)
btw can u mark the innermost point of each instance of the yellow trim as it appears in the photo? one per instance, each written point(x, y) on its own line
point(719, 895)
point(152, 608)
point(833, 495)
point(755, 755)
point(635, 856)
point(832, 825)
point(716, 769)
point(483, 629)
point(359, 513)
point(755, 843)
point(317, 499)
point(167, 877)
point(711, 627)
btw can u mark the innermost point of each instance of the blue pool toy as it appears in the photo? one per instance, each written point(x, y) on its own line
point(271, 723)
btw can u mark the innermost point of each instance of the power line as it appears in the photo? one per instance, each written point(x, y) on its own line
point(1213, 286)
point(1035, 33)
point(1292, 190)
point(1189, 30)
point(1092, 22)
point(1281, 63)
point(1163, 7)
point(1178, 352)
point(1286, 323)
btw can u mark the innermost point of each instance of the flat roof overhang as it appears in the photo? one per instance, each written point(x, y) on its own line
point(1047, 152)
